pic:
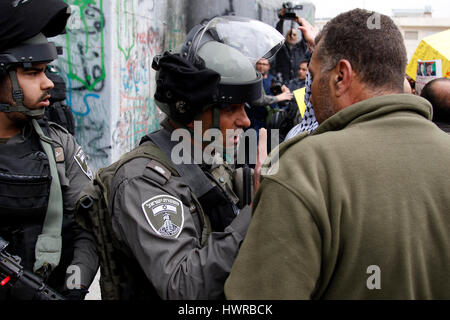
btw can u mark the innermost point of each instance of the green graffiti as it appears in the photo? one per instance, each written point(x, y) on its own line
point(83, 4)
point(84, 51)
point(127, 23)
point(175, 24)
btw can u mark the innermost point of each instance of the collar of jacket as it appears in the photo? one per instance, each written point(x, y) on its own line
point(374, 108)
point(23, 135)
point(359, 112)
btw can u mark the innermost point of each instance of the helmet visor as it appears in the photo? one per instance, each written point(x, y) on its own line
point(252, 38)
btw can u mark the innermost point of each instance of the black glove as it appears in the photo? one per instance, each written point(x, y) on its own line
point(75, 294)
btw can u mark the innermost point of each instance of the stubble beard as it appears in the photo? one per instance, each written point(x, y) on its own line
point(323, 105)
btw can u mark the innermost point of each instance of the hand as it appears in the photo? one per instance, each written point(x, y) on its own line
point(309, 33)
point(260, 157)
point(281, 14)
point(285, 89)
point(285, 96)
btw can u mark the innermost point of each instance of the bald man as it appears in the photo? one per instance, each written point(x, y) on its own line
point(407, 86)
point(437, 92)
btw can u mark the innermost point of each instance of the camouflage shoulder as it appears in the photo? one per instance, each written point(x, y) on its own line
point(58, 127)
point(143, 162)
point(58, 134)
point(67, 149)
point(150, 150)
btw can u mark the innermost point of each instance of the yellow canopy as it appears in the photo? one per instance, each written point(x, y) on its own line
point(434, 47)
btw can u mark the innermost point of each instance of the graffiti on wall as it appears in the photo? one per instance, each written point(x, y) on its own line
point(141, 34)
point(137, 40)
point(108, 52)
point(107, 68)
point(83, 65)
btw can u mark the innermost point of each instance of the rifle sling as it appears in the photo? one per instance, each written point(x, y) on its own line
point(49, 243)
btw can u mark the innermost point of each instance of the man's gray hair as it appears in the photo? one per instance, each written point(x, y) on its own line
point(378, 55)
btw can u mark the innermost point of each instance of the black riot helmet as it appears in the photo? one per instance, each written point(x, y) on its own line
point(214, 67)
point(24, 28)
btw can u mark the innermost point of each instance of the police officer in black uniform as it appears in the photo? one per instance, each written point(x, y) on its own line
point(178, 225)
point(42, 168)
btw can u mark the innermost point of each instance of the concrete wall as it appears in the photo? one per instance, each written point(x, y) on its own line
point(108, 50)
point(265, 10)
point(86, 67)
point(422, 26)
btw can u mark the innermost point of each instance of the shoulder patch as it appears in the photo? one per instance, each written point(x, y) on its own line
point(59, 154)
point(80, 158)
point(165, 215)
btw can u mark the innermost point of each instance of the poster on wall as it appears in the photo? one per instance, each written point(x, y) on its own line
point(427, 70)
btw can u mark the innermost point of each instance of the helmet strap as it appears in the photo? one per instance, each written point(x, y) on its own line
point(17, 94)
point(216, 117)
point(216, 125)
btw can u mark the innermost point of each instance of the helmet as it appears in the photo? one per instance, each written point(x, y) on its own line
point(214, 67)
point(24, 28)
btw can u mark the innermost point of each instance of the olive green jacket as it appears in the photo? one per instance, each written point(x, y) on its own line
point(360, 209)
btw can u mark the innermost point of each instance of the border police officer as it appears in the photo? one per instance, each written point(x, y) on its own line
point(179, 224)
point(42, 168)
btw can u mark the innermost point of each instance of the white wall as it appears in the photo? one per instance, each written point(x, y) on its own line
point(108, 50)
point(424, 26)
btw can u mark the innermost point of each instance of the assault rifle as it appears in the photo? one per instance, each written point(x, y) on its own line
point(13, 274)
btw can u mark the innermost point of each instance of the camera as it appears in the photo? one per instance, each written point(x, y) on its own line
point(276, 88)
point(277, 83)
point(289, 13)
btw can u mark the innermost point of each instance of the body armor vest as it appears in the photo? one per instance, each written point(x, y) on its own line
point(121, 275)
point(25, 181)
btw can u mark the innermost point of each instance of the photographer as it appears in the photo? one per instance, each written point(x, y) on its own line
point(274, 92)
point(294, 49)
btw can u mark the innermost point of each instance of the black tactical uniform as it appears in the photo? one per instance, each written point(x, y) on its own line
point(42, 168)
point(176, 228)
point(24, 194)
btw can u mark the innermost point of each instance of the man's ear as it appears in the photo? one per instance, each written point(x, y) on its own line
point(6, 91)
point(343, 77)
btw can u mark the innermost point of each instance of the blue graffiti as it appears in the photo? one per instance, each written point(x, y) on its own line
point(88, 108)
point(133, 79)
point(69, 92)
point(86, 103)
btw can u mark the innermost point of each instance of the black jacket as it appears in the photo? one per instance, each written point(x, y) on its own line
point(287, 60)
